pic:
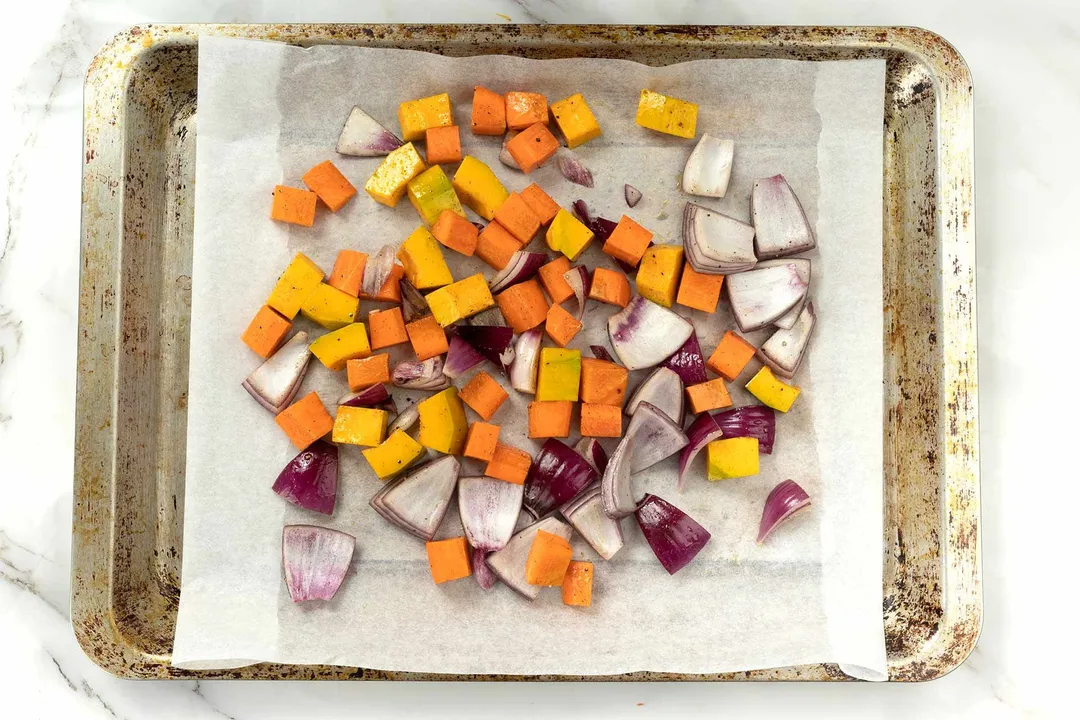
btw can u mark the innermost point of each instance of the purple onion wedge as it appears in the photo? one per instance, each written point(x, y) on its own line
point(785, 500)
point(557, 475)
point(509, 563)
point(586, 514)
point(274, 383)
point(663, 389)
point(593, 452)
point(418, 501)
point(526, 361)
point(310, 478)
point(708, 169)
point(688, 362)
point(616, 485)
point(489, 511)
point(373, 396)
point(600, 353)
point(716, 244)
point(601, 227)
point(315, 560)
point(675, 537)
point(700, 433)
point(580, 281)
point(493, 342)
point(426, 375)
point(363, 136)
point(644, 334)
point(460, 358)
point(785, 349)
point(572, 168)
point(632, 195)
point(653, 436)
point(756, 421)
point(413, 303)
point(803, 267)
point(480, 570)
point(405, 420)
point(758, 297)
point(523, 265)
point(377, 270)
point(779, 220)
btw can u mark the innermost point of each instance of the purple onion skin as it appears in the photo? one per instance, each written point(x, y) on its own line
point(368, 397)
point(755, 421)
point(785, 500)
point(601, 227)
point(556, 476)
point(310, 478)
point(675, 537)
point(461, 357)
point(484, 577)
point(600, 353)
point(687, 362)
point(491, 341)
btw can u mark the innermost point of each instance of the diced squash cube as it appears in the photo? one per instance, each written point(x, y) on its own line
point(460, 300)
point(391, 179)
point(478, 187)
point(391, 287)
point(496, 245)
point(577, 584)
point(550, 419)
point(658, 275)
point(348, 273)
point(549, 557)
point(329, 307)
point(532, 147)
point(417, 116)
point(667, 114)
point(266, 331)
point(560, 374)
point(551, 276)
point(393, 455)
point(387, 328)
point(516, 216)
point(711, 395)
point(603, 382)
point(731, 356)
point(326, 181)
point(481, 441)
point(575, 120)
point(698, 290)
point(455, 232)
point(427, 337)
point(448, 559)
point(359, 426)
point(628, 241)
point(610, 286)
point(523, 305)
point(509, 463)
point(524, 109)
point(568, 235)
point(442, 422)
point(541, 203)
point(305, 421)
point(732, 458)
point(423, 261)
point(337, 348)
point(430, 193)
point(771, 391)
point(295, 284)
point(443, 145)
point(601, 420)
point(484, 395)
point(293, 205)
point(561, 326)
point(488, 112)
point(365, 372)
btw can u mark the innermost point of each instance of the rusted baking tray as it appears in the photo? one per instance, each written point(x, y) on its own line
point(134, 315)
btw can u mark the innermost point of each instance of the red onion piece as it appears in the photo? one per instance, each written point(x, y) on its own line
point(644, 334)
point(427, 375)
point(586, 514)
point(405, 421)
point(785, 500)
point(803, 267)
point(572, 168)
point(413, 303)
point(708, 169)
point(758, 297)
point(601, 227)
point(688, 362)
point(480, 570)
point(756, 421)
point(600, 353)
point(368, 397)
point(616, 485)
point(580, 282)
point(593, 452)
point(509, 563)
point(315, 560)
point(557, 474)
point(716, 244)
point(653, 437)
point(489, 511)
point(779, 220)
point(460, 358)
point(785, 349)
point(700, 433)
point(522, 266)
point(663, 389)
point(418, 501)
point(363, 136)
point(310, 478)
point(632, 195)
point(274, 383)
point(504, 155)
point(376, 271)
point(493, 342)
point(675, 537)
point(526, 361)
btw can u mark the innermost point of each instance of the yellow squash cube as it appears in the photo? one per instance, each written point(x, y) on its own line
point(335, 349)
point(733, 458)
point(659, 272)
point(430, 193)
point(771, 391)
point(388, 183)
point(442, 422)
point(478, 187)
point(576, 120)
point(417, 116)
point(329, 307)
point(359, 426)
point(424, 264)
point(667, 114)
point(560, 375)
point(295, 284)
point(393, 455)
point(460, 300)
point(568, 235)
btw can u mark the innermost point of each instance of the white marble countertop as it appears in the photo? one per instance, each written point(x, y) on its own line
point(1025, 58)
